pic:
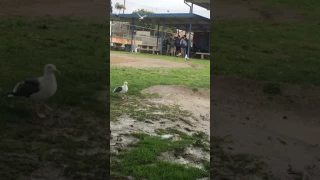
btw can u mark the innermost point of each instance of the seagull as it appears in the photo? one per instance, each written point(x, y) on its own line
point(186, 57)
point(122, 89)
point(38, 89)
point(141, 17)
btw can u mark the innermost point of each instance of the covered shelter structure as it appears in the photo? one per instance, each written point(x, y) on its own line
point(202, 3)
point(189, 22)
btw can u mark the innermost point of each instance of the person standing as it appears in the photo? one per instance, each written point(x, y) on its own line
point(183, 45)
point(172, 47)
point(186, 39)
point(168, 45)
point(177, 44)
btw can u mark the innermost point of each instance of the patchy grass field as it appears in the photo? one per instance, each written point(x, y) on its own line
point(310, 8)
point(288, 52)
point(72, 141)
point(270, 50)
point(143, 158)
point(274, 53)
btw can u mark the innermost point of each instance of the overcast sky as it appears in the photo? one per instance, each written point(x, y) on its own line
point(160, 6)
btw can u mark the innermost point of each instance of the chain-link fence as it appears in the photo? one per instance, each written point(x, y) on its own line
point(121, 35)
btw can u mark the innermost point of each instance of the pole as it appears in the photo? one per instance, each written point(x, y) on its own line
point(132, 35)
point(185, 33)
point(191, 8)
point(158, 37)
point(111, 34)
point(124, 5)
point(162, 37)
point(190, 28)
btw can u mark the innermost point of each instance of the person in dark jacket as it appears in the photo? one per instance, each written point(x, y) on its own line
point(172, 46)
point(183, 44)
point(168, 45)
point(177, 44)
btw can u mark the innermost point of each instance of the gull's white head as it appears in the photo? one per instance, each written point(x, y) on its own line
point(125, 83)
point(50, 69)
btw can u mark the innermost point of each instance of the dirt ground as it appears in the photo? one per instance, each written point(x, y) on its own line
point(283, 129)
point(197, 102)
point(123, 60)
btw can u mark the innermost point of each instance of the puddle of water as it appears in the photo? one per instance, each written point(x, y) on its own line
point(170, 157)
point(166, 136)
point(198, 153)
point(192, 157)
point(126, 125)
point(158, 113)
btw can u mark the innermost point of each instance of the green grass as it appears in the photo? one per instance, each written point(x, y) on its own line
point(79, 50)
point(142, 161)
point(141, 110)
point(140, 79)
point(309, 8)
point(254, 49)
point(288, 53)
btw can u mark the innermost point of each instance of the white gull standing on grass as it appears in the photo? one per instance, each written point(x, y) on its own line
point(38, 89)
point(121, 89)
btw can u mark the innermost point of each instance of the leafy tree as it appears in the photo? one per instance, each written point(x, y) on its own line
point(119, 7)
point(111, 9)
point(147, 24)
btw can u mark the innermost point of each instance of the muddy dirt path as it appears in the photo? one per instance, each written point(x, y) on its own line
point(283, 129)
point(124, 60)
point(196, 102)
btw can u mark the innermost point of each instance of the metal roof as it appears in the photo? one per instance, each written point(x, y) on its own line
point(177, 20)
point(202, 3)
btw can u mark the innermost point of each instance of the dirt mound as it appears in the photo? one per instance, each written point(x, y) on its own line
point(196, 101)
point(249, 9)
point(122, 60)
point(282, 128)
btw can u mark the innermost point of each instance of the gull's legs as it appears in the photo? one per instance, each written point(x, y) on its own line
point(46, 106)
point(39, 115)
point(12, 102)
